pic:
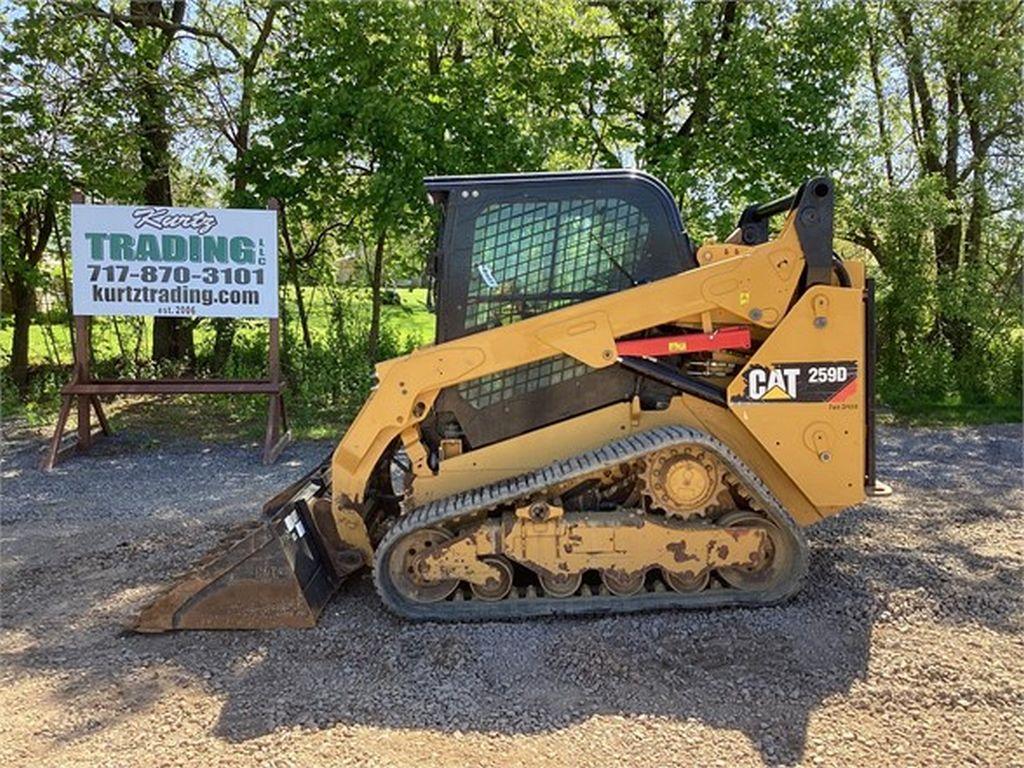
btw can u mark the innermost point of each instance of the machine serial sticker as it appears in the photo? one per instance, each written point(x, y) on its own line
point(829, 382)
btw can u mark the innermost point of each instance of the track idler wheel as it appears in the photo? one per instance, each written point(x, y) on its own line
point(496, 587)
point(778, 557)
point(404, 571)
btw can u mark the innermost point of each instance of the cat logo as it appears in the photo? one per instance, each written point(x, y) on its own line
point(772, 384)
point(818, 382)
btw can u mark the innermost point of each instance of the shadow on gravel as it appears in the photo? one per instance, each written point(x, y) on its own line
point(761, 672)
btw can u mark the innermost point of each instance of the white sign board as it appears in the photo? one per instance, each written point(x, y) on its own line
point(180, 262)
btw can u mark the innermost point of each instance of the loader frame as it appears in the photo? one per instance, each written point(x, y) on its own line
point(777, 401)
point(765, 285)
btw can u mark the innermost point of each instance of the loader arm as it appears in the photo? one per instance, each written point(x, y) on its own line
point(744, 284)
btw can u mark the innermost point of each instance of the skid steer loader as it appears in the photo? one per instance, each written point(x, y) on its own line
point(610, 420)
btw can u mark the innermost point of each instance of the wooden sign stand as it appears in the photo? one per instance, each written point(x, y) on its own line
point(87, 391)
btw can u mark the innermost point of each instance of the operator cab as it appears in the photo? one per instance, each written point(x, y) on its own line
point(512, 246)
point(516, 245)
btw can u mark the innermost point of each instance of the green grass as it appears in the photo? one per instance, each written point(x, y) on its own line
point(412, 317)
point(50, 344)
point(211, 418)
point(242, 417)
point(950, 415)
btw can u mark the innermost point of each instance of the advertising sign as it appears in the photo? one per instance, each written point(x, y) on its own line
point(180, 262)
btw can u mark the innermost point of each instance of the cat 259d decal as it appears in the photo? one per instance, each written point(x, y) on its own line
point(830, 382)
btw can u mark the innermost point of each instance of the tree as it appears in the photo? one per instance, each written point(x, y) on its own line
point(53, 86)
point(340, 109)
point(229, 54)
point(34, 222)
point(725, 101)
point(149, 29)
point(368, 98)
point(947, 100)
point(975, 51)
point(220, 46)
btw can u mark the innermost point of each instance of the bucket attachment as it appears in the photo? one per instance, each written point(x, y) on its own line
point(276, 572)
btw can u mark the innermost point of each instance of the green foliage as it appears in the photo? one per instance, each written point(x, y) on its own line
point(334, 377)
point(328, 382)
point(340, 109)
point(726, 102)
point(909, 369)
point(931, 197)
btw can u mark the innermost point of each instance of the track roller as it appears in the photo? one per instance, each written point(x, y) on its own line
point(561, 585)
point(495, 587)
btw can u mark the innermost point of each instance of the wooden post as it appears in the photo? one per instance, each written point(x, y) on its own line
point(270, 439)
point(81, 376)
point(54, 451)
point(274, 355)
point(278, 435)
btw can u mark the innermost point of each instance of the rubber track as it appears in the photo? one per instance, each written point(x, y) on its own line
point(453, 509)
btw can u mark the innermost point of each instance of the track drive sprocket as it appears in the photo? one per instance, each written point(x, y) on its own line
point(684, 481)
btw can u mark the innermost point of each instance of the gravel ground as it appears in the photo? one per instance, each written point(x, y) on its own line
point(905, 648)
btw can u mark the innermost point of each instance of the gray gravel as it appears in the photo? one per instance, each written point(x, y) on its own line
point(905, 648)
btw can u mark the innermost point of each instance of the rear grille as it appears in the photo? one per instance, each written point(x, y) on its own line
point(515, 382)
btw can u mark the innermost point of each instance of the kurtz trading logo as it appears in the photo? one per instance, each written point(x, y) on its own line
point(201, 247)
point(160, 218)
point(831, 382)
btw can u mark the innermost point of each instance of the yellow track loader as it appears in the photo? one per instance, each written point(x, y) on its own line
point(610, 420)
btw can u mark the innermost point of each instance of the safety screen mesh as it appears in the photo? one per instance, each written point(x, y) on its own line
point(532, 257)
point(515, 382)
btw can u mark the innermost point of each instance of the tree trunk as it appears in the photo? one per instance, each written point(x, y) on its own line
point(976, 221)
point(225, 327)
point(979, 186)
point(884, 137)
point(917, 78)
point(22, 309)
point(172, 337)
point(65, 284)
point(33, 228)
point(375, 288)
point(938, 155)
point(947, 240)
point(948, 236)
point(293, 272)
point(652, 47)
point(223, 342)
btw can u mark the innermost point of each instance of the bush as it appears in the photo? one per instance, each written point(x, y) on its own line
point(328, 382)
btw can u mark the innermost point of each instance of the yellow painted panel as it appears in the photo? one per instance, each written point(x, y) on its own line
point(802, 395)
